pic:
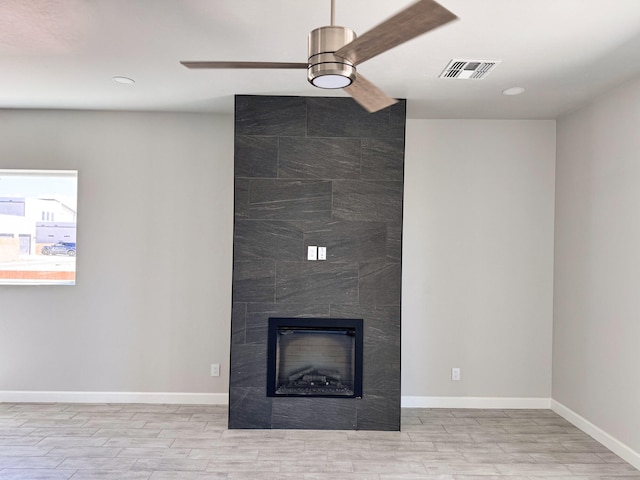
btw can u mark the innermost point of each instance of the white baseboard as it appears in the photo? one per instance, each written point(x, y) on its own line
point(223, 399)
point(616, 446)
point(114, 397)
point(475, 402)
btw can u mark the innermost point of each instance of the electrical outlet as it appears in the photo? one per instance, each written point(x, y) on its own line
point(215, 369)
point(455, 374)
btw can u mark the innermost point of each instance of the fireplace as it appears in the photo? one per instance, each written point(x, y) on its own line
point(316, 171)
point(314, 357)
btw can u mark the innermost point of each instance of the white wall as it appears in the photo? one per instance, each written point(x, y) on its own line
point(151, 308)
point(478, 258)
point(597, 266)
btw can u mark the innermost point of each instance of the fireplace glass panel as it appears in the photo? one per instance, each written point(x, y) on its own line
point(315, 357)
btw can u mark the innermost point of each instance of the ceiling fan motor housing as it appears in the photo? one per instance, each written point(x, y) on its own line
point(326, 70)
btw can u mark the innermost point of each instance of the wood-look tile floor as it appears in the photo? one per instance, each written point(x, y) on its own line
point(167, 442)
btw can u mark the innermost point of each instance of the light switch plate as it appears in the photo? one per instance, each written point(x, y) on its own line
point(312, 252)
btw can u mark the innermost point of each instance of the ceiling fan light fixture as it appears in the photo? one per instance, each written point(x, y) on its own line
point(327, 70)
point(331, 81)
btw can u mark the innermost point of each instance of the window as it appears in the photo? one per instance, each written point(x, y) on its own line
point(38, 210)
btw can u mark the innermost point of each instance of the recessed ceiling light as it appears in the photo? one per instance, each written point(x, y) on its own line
point(513, 91)
point(123, 80)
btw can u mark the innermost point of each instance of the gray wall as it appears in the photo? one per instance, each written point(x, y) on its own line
point(149, 318)
point(150, 311)
point(478, 258)
point(144, 319)
point(596, 325)
point(317, 171)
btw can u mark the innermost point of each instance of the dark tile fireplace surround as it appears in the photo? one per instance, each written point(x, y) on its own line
point(323, 172)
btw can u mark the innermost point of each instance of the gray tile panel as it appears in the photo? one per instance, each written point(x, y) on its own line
point(314, 414)
point(380, 283)
point(383, 159)
point(375, 201)
point(379, 412)
point(397, 119)
point(343, 117)
point(254, 281)
point(254, 405)
point(322, 158)
point(316, 282)
point(273, 240)
point(256, 156)
point(337, 183)
point(348, 240)
point(290, 199)
point(250, 366)
point(258, 115)
point(241, 198)
point(394, 244)
point(238, 322)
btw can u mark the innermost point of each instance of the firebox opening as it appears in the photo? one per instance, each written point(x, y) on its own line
point(314, 357)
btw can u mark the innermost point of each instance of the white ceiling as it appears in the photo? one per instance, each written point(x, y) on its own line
point(63, 53)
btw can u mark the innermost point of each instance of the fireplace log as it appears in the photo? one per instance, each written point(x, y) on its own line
point(332, 374)
point(301, 373)
point(314, 378)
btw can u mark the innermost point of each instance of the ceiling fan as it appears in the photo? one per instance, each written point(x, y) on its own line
point(335, 52)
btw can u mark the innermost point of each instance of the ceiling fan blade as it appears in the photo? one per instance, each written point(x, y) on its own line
point(245, 65)
point(415, 20)
point(368, 95)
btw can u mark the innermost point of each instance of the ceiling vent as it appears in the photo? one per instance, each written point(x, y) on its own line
point(469, 69)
